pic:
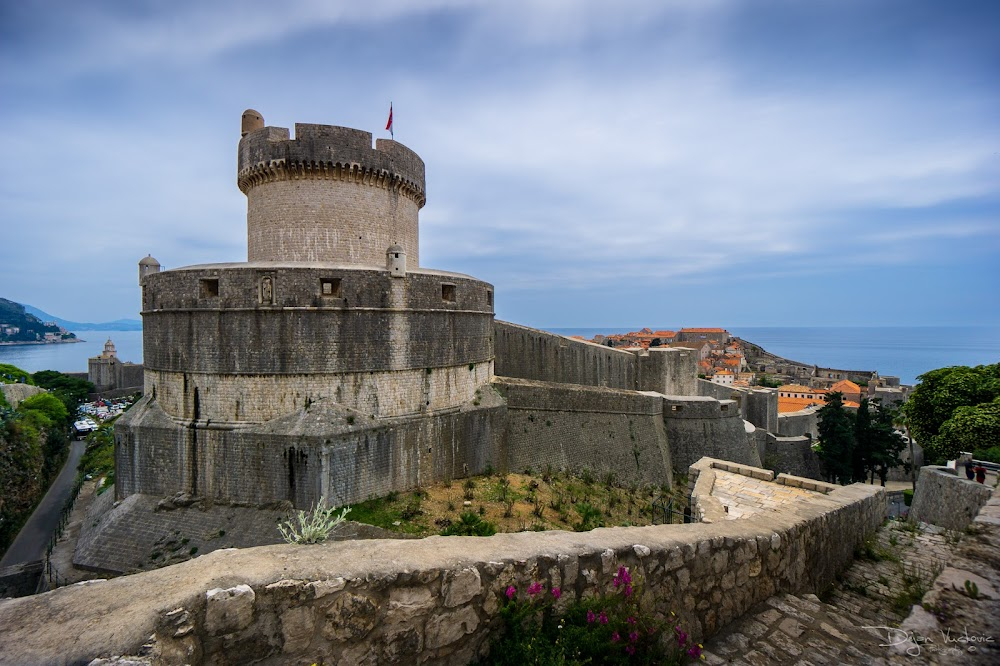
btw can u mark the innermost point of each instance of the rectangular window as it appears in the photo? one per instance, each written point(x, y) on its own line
point(489, 297)
point(330, 287)
point(448, 292)
point(209, 287)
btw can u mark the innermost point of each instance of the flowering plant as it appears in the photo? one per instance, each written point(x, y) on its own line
point(612, 628)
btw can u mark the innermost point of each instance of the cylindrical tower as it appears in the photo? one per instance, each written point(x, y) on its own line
point(327, 195)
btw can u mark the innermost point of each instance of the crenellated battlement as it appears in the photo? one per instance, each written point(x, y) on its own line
point(326, 152)
point(327, 194)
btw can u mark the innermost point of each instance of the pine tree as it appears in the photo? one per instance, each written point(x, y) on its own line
point(836, 439)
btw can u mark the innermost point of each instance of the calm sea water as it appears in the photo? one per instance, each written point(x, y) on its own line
point(73, 357)
point(903, 352)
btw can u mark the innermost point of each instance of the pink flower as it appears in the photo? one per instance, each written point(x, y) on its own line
point(630, 620)
point(694, 652)
point(628, 590)
point(556, 592)
point(511, 591)
point(630, 649)
point(534, 588)
point(623, 577)
point(603, 617)
point(633, 636)
point(682, 636)
point(615, 637)
point(590, 616)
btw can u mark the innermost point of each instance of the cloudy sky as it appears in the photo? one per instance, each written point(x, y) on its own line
point(685, 162)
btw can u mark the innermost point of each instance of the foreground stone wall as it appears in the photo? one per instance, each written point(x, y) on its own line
point(576, 427)
point(436, 598)
point(943, 498)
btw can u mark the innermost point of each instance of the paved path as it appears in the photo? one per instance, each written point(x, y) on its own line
point(31, 541)
point(854, 625)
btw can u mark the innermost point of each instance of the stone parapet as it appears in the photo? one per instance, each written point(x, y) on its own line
point(434, 599)
point(945, 499)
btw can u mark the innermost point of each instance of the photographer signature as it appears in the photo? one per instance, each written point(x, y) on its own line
point(949, 641)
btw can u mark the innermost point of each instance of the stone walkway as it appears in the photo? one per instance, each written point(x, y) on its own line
point(744, 496)
point(854, 623)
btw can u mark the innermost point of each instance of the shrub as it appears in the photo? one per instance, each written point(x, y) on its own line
point(908, 497)
point(469, 524)
point(315, 525)
point(615, 627)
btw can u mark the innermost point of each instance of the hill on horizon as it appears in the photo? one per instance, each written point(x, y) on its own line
point(116, 325)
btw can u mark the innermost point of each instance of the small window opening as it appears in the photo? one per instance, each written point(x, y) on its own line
point(676, 408)
point(489, 297)
point(448, 292)
point(330, 287)
point(209, 287)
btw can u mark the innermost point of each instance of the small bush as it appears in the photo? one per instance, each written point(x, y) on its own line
point(469, 524)
point(314, 526)
point(908, 497)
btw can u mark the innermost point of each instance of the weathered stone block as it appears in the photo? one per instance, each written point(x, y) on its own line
point(228, 610)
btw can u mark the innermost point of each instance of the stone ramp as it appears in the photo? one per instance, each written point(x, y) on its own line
point(788, 629)
point(875, 604)
point(143, 532)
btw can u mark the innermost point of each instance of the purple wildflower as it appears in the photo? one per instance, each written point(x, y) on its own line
point(603, 617)
point(534, 588)
point(630, 649)
point(682, 637)
point(633, 636)
point(695, 651)
point(628, 590)
point(615, 637)
point(511, 591)
point(590, 616)
point(556, 592)
point(630, 620)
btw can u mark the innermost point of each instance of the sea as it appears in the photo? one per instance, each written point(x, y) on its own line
point(904, 352)
point(896, 351)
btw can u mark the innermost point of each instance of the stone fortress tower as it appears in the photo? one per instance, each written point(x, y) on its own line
point(329, 364)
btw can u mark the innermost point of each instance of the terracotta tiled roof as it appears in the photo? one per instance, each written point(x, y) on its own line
point(845, 386)
point(704, 330)
point(796, 388)
point(786, 405)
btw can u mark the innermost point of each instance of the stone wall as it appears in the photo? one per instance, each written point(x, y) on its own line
point(438, 598)
point(15, 393)
point(323, 450)
point(20, 580)
point(797, 424)
point(792, 455)
point(945, 499)
point(527, 353)
point(699, 426)
point(576, 427)
point(759, 406)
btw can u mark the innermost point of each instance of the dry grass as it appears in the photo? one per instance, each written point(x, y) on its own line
point(518, 502)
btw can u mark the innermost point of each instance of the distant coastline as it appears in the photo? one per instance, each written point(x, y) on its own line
point(41, 342)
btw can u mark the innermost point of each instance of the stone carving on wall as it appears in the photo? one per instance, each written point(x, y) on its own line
point(267, 290)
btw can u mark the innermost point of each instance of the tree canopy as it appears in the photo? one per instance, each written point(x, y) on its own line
point(950, 409)
point(11, 374)
point(836, 439)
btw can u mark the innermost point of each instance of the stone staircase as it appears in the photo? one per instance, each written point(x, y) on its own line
point(858, 618)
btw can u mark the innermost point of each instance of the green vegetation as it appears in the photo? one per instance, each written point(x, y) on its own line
point(618, 626)
point(908, 497)
point(470, 524)
point(34, 442)
point(855, 447)
point(11, 374)
point(768, 382)
point(954, 409)
point(546, 500)
point(99, 458)
point(313, 526)
point(30, 328)
point(71, 390)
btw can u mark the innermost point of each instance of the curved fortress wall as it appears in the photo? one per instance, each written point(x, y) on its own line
point(327, 195)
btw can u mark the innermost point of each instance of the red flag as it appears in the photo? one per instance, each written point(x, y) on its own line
point(388, 125)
